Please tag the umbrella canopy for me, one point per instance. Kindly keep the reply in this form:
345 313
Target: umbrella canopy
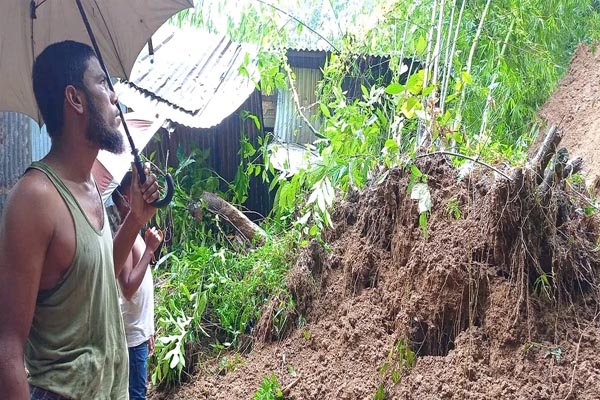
121 29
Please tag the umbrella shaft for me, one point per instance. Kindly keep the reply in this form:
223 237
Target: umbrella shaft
134 151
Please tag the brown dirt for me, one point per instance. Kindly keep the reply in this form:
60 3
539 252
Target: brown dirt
465 300
575 108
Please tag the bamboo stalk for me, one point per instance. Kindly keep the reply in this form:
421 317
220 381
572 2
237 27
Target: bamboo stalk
429 42
411 9
446 72
488 101
463 94
434 96
437 48
451 57
422 132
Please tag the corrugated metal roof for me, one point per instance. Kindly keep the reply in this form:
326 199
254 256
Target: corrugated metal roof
193 78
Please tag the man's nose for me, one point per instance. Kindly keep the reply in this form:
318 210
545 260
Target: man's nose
113 97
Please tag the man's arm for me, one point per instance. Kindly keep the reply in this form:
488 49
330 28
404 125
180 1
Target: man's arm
25 234
141 210
133 272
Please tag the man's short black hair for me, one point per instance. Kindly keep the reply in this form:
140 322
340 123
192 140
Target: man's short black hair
59 65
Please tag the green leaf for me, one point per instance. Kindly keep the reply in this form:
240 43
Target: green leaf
394 88
167 339
380 393
325 110
415 82
423 224
415 172
466 78
395 376
364 91
391 145
421 45
410 107
428 90
255 119
202 304
384 368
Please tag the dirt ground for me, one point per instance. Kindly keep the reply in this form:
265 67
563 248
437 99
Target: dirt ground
575 108
500 301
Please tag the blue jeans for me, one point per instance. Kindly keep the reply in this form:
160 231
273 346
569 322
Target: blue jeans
138 371
37 393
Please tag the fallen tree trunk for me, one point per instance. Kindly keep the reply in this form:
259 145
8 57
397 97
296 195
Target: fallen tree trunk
248 229
573 166
555 172
545 152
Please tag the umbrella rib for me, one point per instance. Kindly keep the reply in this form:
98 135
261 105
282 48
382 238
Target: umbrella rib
111 40
38 5
39 117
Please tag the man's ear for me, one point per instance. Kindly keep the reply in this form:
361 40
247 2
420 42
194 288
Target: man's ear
74 99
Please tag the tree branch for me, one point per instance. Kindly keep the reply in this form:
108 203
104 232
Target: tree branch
300 22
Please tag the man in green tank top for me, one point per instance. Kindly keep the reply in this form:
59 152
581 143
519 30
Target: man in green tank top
58 294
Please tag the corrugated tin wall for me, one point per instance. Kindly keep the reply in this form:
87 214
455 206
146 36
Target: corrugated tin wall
223 143
289 126
40 141
15 150
21 141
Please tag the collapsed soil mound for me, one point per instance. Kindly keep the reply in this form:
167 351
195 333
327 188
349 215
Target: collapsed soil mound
575 108
500 300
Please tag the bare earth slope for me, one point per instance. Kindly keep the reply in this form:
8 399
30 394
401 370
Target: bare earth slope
575 108
499 302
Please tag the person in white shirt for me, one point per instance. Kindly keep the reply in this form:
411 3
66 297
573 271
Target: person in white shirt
137 297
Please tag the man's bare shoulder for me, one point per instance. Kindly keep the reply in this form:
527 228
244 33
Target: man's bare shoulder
33 197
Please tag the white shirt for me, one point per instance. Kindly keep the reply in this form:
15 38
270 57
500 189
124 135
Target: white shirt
138 313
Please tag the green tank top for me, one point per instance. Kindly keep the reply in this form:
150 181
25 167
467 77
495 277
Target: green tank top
76 345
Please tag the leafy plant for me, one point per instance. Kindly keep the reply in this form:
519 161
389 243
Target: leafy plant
269 389
400 359
380 394
230 363
555 352
419 191
209 289
542 286
453 208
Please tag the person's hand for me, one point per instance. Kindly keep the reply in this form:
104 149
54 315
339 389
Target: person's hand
143 195
153 238
151 346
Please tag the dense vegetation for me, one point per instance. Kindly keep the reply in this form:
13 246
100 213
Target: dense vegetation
486 67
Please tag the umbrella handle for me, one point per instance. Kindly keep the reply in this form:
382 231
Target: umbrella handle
158 203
